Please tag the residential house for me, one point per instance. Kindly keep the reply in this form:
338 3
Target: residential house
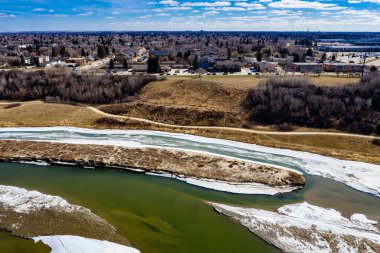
206 62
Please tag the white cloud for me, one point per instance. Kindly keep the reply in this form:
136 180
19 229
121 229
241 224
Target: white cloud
162 14
110 17
210 13
115 13
177 8
169 2
38 9
145 16
265 1
362 1
299 4
250 6
207 4
5 15
89 13
231 8
55 15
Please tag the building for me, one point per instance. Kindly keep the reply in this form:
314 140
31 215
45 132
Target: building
306 67
78 61
121 57
342 67
206 62
139 67
349 48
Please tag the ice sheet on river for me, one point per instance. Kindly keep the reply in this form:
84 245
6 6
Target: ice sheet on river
306 228
70 244
358 175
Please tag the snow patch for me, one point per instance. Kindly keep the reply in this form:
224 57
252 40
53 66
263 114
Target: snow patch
70 243
240 188
306 228
23 201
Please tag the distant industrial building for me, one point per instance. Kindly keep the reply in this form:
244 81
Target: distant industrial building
349 48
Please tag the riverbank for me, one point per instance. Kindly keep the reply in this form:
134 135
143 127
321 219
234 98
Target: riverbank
306 228
39 114
358 175
214 172
30 214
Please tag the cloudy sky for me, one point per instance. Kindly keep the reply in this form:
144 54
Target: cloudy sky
169 15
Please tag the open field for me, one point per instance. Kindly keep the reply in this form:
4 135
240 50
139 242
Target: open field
35 114
43 114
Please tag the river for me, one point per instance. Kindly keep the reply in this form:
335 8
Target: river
161 214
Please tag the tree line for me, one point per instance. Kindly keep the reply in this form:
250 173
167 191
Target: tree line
56 86
353 108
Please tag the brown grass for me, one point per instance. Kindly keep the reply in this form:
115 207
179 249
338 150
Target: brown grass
44 114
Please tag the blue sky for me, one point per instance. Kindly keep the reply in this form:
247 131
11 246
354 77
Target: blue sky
227 15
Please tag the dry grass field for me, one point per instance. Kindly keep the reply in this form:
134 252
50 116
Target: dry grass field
44 114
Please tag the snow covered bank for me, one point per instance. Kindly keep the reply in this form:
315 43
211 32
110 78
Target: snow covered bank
30 214
23 201
69 244
306 228
240 188
358 175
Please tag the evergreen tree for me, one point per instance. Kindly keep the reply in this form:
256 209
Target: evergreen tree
296 58
229 53
259 56
22 59
101 52
153 65
125 64
195 63
54 52
62 51
323 58
112 64
83 53
309 52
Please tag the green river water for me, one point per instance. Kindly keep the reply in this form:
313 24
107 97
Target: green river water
164 215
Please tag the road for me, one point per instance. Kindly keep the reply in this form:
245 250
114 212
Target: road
317 133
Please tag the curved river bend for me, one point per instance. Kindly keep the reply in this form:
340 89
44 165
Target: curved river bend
160 214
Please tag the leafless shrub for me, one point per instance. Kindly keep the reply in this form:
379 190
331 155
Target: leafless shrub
354 108
57 86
